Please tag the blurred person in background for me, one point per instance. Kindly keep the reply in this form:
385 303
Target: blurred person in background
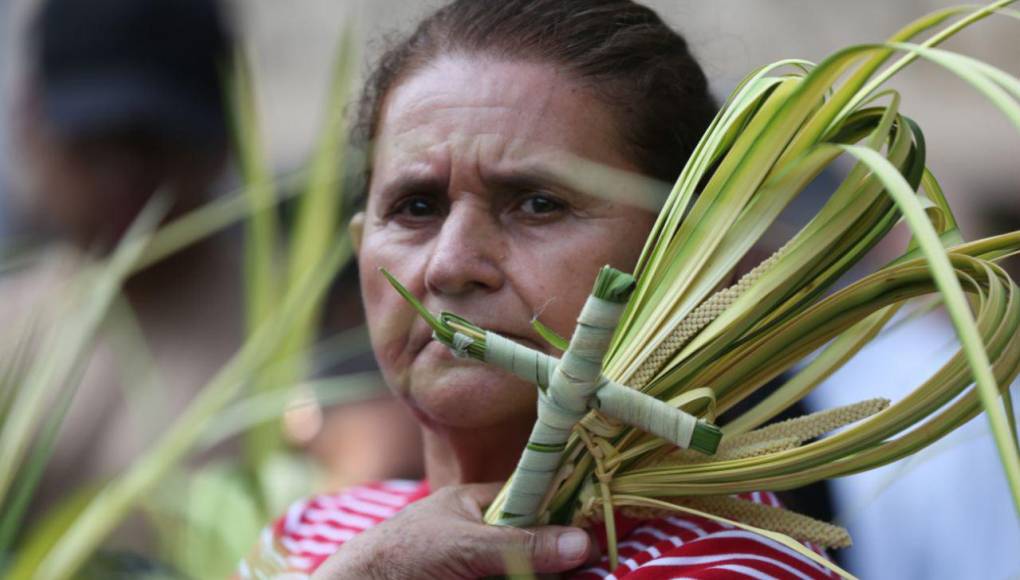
5 18
120 100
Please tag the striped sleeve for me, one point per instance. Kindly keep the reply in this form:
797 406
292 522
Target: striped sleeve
314 529
693 547
672 547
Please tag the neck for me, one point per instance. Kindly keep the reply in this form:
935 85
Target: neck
455 456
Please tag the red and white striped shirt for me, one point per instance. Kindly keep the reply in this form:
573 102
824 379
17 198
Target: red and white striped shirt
670 547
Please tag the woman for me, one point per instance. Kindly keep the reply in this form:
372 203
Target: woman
478 120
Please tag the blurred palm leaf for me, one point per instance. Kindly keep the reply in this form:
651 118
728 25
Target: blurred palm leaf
285 294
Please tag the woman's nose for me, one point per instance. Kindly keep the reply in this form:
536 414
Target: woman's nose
467 253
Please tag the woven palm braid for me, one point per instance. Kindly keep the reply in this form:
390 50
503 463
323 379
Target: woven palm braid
696 321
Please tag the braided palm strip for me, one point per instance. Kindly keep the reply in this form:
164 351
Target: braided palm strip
782 520
696 321
810 426
780 436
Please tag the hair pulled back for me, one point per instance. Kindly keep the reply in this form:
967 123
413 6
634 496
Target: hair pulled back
622 51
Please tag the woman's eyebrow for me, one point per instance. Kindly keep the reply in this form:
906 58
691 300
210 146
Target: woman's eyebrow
515 182
525 176
413 182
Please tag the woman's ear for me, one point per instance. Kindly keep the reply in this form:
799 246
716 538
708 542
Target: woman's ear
357 229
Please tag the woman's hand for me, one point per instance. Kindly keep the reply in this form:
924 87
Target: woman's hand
442 536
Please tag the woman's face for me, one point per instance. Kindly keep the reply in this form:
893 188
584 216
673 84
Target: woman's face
469 208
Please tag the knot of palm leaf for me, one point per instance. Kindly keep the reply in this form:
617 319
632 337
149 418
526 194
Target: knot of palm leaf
598 504
603 453
460 344
602 425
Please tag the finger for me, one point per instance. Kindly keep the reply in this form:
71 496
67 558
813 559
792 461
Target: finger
547 549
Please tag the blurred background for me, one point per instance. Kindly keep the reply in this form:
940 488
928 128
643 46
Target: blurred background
902 517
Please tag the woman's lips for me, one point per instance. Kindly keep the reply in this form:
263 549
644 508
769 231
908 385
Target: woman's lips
428 340
438 350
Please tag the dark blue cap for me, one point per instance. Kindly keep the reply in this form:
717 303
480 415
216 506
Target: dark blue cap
151 65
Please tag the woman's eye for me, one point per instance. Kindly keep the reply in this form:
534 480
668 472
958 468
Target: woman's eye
417 207
541 204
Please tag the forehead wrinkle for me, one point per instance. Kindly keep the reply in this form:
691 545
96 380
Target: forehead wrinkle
411 144
511 172
448 125
400 167
526 107
484 127
494 161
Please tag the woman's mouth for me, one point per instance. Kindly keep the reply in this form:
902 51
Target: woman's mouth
445 352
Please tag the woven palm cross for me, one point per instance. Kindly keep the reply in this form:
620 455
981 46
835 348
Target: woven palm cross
568 388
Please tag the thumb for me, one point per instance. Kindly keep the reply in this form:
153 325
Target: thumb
545 549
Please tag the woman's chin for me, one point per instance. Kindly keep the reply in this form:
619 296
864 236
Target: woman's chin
445 391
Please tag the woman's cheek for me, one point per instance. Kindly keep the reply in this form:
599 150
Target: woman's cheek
387 317
564 284
569 264
392 364
389 322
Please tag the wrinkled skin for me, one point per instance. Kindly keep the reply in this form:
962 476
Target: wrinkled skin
442 537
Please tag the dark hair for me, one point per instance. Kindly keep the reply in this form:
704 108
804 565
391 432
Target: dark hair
151 70
633 61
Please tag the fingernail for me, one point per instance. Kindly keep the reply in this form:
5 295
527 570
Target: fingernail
572 545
